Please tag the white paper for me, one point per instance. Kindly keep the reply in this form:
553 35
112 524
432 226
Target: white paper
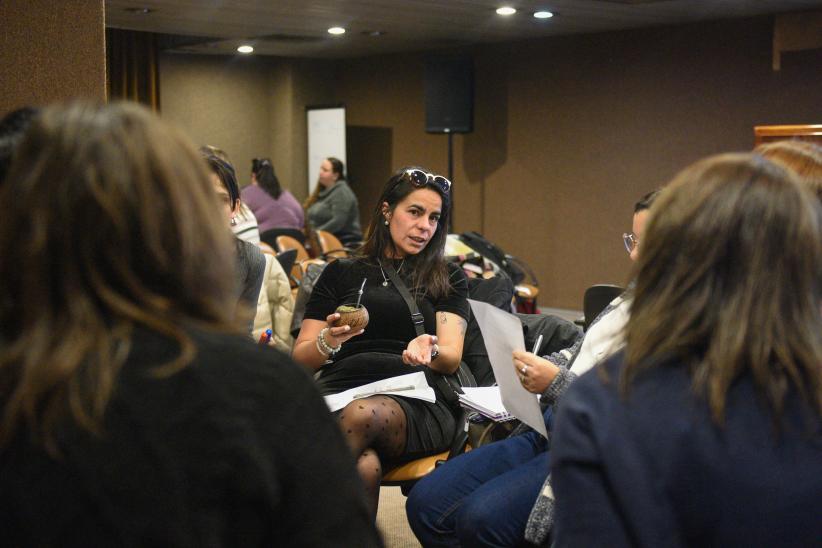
487 400
413 385
503 334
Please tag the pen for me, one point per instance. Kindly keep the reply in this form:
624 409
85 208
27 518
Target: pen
265 336
372 393
536 345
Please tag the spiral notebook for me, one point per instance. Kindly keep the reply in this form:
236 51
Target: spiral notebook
487 401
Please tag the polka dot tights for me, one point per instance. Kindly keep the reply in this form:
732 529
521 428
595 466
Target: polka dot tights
375 429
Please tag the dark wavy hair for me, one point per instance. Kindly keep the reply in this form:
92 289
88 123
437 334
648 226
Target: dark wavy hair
264 173
428 268
729 283
225 172
110 224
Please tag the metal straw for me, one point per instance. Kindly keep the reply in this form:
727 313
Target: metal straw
359 293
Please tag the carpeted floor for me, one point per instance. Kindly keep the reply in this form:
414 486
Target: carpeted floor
391 520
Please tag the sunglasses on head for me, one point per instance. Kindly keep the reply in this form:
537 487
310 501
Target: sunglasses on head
419 179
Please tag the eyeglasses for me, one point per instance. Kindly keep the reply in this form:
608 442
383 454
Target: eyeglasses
419 179
631 241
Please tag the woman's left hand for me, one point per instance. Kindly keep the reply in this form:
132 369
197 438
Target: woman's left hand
535 373
419 350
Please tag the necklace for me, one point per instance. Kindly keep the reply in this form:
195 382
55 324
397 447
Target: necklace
384 277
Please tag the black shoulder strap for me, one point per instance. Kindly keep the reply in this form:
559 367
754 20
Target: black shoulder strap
416 315
448 391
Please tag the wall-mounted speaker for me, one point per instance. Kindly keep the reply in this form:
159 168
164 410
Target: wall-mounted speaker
449 94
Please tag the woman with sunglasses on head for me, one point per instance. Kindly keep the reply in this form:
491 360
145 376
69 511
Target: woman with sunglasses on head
407 236
272 205
332 206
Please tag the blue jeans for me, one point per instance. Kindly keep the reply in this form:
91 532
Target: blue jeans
481 498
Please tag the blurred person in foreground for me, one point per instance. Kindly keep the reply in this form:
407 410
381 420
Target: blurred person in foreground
134 412
707 429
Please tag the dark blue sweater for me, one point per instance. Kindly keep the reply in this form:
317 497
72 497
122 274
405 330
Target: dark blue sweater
654 470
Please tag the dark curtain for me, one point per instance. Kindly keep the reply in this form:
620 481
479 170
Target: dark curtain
132 70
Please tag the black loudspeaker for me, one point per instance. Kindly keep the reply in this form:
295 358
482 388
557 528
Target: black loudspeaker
449 95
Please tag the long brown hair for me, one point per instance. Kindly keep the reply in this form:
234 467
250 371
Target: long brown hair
428 269
109 223
801 157
729 283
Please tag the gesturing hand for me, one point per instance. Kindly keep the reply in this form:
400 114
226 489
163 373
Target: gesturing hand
535 373
419 350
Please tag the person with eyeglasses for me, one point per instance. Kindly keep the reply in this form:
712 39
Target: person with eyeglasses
333 206
406 238
498 494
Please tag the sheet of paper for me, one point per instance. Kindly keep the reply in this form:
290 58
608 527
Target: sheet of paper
503 334
412 385
485 399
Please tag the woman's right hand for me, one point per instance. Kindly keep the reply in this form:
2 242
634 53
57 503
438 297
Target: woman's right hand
536 374
335 336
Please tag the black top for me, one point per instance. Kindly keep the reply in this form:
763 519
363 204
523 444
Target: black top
390 328
237 449
654 470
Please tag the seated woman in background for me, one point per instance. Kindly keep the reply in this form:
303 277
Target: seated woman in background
407 234
273 206
250 263
485 497
333 206
707 430
133 412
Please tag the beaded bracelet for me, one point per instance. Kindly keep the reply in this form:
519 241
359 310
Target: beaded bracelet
323 346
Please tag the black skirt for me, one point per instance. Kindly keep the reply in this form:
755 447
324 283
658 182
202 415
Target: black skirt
430 425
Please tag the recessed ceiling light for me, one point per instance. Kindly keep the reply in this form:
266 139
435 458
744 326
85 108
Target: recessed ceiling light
506 10
543 14
336 31
245 48
374 33
140 11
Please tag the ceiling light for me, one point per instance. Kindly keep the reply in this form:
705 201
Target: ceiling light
336 31
245 48
543 14
140 11
373 33
506 10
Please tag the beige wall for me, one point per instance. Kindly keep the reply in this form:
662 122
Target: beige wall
250 107
569 131
51 51
224 104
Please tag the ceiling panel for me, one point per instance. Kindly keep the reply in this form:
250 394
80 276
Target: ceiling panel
406 25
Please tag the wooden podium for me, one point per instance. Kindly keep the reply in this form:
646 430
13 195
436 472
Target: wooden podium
806 132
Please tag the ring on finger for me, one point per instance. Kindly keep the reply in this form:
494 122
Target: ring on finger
524 369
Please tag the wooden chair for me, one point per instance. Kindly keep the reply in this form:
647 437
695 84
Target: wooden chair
407 474
270 236
285 243
330 246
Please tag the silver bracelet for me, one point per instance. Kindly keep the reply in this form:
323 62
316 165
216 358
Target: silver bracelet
323 346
